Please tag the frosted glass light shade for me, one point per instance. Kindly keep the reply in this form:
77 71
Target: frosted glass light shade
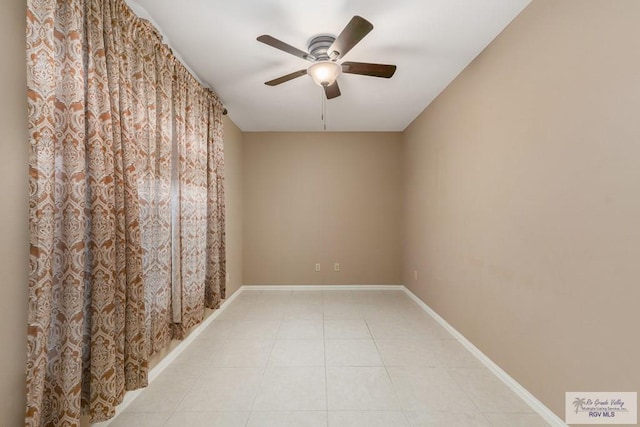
324 73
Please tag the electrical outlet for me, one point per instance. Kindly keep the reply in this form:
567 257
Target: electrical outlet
318 267
336 266
415 274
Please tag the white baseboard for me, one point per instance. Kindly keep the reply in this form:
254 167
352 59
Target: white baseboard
530 399
322 288
548 415
130 396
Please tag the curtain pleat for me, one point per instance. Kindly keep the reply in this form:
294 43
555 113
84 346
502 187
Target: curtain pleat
119 263
215 281
156 201
57 213
192 173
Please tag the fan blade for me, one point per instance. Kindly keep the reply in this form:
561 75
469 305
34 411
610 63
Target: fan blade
355 31
366 69
286 78
332 91
273 42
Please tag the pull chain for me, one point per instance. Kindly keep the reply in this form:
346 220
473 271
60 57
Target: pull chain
324 109
322 104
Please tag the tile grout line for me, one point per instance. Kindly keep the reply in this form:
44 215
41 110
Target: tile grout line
326 373
386 369
184 394
264 372
464 392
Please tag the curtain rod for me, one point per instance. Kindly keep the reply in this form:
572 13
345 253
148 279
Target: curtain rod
141 12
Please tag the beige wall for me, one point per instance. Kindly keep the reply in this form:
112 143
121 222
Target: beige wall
13 213
522 203
322 198
233 198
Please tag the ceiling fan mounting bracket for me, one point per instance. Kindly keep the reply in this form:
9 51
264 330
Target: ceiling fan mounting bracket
319 45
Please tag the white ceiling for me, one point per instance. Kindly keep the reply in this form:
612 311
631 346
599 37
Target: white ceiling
430 41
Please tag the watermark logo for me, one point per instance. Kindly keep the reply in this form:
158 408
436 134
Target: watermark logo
601 407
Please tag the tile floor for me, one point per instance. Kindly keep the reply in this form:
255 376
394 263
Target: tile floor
326 358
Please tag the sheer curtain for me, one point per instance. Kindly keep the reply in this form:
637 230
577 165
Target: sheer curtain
120 264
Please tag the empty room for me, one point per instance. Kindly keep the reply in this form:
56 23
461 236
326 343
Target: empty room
320 214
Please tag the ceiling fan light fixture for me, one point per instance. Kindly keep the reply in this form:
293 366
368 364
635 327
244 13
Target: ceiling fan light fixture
324 73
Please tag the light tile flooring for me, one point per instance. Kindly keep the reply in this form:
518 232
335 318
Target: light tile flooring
326 358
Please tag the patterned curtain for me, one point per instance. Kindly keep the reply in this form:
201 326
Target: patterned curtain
126 205
216 277
154 69
191 168
198 204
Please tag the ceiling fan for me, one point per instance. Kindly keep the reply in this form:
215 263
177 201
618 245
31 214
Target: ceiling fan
324 52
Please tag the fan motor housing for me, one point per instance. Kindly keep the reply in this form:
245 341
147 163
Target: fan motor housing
319 45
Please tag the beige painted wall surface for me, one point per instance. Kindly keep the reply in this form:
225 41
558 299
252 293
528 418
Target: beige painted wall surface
322 198
14 228
523 199
233 199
